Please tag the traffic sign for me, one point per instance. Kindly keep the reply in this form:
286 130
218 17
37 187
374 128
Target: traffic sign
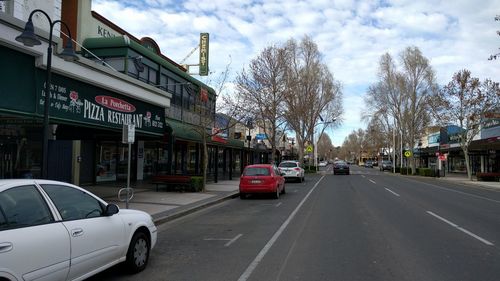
309 148
408 153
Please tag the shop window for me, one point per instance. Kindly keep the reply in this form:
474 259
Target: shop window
152 76
150 160
163 82
117 63
192 158
144 75
106 162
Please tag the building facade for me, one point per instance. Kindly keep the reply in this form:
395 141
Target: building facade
118 80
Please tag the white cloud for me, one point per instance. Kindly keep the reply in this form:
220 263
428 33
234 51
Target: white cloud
351 34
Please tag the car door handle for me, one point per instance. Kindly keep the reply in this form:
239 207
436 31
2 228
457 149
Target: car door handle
5 247
77 232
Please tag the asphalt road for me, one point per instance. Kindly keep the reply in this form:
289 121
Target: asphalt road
368 225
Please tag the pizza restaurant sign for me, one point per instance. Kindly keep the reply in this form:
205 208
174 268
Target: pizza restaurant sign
88 104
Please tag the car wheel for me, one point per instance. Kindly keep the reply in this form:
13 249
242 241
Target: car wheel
138 253
243 195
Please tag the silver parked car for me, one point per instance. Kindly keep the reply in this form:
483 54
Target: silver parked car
51 230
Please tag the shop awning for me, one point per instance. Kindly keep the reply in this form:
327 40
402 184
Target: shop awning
184 131
190 132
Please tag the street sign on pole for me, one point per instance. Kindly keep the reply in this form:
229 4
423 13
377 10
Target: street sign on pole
128 136
128 133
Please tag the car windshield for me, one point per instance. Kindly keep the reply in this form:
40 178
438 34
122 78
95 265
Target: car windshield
288 165
256 171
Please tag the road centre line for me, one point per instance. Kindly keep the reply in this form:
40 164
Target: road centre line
391 191
253 265
372 181
461 229
456 191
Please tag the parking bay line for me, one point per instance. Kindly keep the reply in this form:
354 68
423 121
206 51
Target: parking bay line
230 241
253 265
461 229
372 181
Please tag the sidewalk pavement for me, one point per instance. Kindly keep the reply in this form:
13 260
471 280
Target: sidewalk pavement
462 179
164 206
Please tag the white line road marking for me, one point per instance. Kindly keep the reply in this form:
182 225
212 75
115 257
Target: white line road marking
275 237
373 181
461 229
391 191
279 204
363 176
233 240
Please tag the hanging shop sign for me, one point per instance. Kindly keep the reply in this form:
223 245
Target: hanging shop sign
83 103
204 39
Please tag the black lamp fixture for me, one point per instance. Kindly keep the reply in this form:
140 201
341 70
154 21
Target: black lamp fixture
29 38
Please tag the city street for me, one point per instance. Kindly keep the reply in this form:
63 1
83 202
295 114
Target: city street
369 225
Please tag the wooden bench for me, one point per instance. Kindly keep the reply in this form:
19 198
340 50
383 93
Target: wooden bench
171 180
488 176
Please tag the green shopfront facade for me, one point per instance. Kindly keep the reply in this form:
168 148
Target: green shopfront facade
86 123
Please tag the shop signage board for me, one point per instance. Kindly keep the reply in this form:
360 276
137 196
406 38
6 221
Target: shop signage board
204 41
79 102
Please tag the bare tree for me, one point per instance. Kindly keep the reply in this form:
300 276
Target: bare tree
354 145
311 91
325 147
494 57
205 109
261 92
406 98
468 103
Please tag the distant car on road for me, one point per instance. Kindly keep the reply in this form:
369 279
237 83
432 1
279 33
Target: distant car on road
51 230
292 170
323 163
368 164
386 165
262 178
340 167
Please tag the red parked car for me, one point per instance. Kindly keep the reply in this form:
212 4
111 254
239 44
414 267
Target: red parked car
262 178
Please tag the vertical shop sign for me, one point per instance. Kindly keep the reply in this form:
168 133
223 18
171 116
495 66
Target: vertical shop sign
204 54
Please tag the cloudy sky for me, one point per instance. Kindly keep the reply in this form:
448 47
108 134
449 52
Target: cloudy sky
351 35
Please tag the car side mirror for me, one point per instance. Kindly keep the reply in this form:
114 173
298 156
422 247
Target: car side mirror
111 209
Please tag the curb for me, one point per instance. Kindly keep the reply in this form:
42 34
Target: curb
161 219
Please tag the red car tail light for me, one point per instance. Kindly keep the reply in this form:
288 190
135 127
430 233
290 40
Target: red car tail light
296 169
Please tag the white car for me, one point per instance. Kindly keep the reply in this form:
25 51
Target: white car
292 170
51 230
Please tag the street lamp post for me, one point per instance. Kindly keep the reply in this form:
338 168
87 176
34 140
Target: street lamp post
28 38
325 124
